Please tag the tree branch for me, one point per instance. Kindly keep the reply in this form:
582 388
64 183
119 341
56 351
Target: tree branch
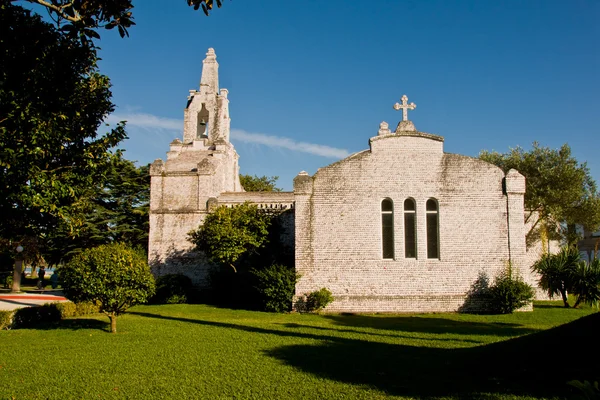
59 10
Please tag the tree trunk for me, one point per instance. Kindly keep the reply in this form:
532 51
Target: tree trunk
16 285
577 302
565 299
113 322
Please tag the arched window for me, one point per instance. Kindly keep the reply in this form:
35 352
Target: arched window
202 122
387 228
410 232
433 235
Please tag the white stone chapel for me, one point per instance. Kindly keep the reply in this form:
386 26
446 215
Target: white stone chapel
399 227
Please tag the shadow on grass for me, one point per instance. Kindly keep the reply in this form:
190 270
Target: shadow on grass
430 325
531 365
394 335
70 324
548 306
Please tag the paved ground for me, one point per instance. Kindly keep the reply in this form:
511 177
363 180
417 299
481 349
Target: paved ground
12 301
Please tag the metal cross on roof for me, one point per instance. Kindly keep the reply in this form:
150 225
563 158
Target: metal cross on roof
405 107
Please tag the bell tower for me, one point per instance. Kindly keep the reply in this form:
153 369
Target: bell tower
206 115
198 168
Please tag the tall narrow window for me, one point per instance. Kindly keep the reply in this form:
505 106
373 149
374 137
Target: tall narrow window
387 228
410 232
433 236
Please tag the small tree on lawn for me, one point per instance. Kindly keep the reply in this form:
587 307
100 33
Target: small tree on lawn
585 283
230 233
115 276
556 272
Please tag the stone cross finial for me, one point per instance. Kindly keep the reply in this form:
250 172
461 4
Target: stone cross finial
405 107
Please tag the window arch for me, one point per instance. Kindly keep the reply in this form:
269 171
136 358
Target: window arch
387 228
410 228
202 122
433 232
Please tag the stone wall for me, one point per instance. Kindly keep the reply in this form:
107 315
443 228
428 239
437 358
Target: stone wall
339 226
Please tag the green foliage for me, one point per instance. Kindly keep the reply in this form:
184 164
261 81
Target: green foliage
6 319
275 286
31 316
314 301
173 289
585 283
253 183
81 19
560 191
319 299
230 233
556 272
589 390
114 276
49 118
52 312
116 211
8 281
509 293
70 309
207 5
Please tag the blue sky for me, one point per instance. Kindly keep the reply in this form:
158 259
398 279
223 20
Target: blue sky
310 81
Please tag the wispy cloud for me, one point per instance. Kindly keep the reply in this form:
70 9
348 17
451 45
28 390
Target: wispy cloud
287 143
150 122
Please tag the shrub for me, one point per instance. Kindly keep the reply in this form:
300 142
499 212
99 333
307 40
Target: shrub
275 286
6 319
8 281
314 301
585 283
556 271
318 299
508 293
70 309
114 276
173 289
31 316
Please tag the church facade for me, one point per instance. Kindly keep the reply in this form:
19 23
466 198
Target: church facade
399 227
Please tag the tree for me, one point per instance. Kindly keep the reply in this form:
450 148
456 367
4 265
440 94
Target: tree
115 276
230 233
560 191
585 283
81 17
259 184
556 272
50 149
116 211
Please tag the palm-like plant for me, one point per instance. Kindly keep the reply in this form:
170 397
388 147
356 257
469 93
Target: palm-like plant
585 283
556 272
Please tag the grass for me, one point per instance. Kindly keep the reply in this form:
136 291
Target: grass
202 352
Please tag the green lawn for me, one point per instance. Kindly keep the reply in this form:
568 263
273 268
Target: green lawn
198 351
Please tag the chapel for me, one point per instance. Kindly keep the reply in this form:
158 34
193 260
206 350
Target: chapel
399 227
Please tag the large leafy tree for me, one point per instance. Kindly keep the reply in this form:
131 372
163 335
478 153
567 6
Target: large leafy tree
52 104
116 211
254 183
82 18
560 191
